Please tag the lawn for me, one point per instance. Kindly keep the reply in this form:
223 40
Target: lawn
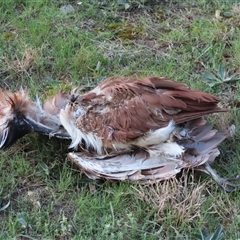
47 45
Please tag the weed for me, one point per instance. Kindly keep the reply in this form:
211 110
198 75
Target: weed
217 235
221 77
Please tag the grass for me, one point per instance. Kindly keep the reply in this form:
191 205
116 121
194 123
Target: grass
43 196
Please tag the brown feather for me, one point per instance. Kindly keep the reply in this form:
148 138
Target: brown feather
17 103
54 104
122 109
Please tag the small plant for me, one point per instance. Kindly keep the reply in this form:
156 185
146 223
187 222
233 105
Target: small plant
44 168
219 78
5 206
217 235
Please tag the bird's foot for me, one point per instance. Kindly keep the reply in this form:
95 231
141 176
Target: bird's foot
228 184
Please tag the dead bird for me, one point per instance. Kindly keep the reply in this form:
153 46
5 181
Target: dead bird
140 129
143 129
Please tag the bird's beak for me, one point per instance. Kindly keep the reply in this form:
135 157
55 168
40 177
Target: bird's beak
40 128
37 127
19 126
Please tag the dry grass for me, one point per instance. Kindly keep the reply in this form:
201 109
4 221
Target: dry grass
236 8
224 122
184 197
24 63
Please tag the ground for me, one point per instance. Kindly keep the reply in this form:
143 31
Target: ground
46 45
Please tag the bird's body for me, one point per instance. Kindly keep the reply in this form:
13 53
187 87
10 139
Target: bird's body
144 129
122 113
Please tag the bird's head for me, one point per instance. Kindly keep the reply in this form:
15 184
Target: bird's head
18 117
13 121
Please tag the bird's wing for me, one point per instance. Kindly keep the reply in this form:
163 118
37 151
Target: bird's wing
120 109
200 147
133 167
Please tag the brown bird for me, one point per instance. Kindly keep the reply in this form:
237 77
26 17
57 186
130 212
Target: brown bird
141 129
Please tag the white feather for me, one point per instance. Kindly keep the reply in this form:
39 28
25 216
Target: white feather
68 121
4 137
39 105
95 142
155 137
169 149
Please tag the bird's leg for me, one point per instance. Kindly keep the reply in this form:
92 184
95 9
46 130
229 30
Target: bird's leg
175 134
228 184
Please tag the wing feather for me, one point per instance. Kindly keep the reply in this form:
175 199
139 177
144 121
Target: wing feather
125 108
139 165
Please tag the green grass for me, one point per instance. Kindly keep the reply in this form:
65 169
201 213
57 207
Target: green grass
44 50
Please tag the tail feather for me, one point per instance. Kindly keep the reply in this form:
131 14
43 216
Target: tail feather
204 147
